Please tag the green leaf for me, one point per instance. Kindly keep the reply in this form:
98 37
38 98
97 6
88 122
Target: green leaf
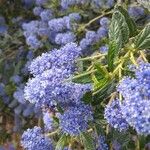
61 142
87 97
119 30
142 40
88 141
112 52
84 77
102 93
131 24
122 137
101 70
118 36
94 79
101 84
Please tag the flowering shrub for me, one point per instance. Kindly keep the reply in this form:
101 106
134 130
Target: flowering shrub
75 74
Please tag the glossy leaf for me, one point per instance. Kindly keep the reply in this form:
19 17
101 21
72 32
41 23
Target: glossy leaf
142 40
88 141
130 22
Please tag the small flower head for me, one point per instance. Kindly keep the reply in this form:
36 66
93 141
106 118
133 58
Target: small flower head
114 116
33 139
75 119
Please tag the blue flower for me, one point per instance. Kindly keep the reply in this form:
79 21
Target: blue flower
33 139
102 32
19 95
136 93
48 121
41 2
64 38
33 42
84 43
28 110
102 143
37 11
57 25
75 119
136 12
62 59
16 79
75 16
114 116
67 3
104 49
91 36
46 15
104 21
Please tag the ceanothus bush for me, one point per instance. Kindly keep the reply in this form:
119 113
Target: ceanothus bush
75 74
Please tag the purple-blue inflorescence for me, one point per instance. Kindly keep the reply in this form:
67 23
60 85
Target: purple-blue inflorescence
46 15
58 59
33 139
64 38
136 12
114 116
104 22
67 3
102 143
116 145
75 119
41 2
37 11
48 121
63 24
102 32
104 49
136 104
50 70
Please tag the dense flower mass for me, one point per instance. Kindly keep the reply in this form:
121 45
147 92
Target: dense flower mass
136 105
34 139
50 70
114 116
64 58
75 119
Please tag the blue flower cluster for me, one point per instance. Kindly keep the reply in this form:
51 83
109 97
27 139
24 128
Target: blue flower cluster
48 121
34 139
103 49
136 104
116 145
102 4
64 38
49 29
66 4
102 143
48 88
75 119
114 116
94 3
136 12
93 37
3 26
41 2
